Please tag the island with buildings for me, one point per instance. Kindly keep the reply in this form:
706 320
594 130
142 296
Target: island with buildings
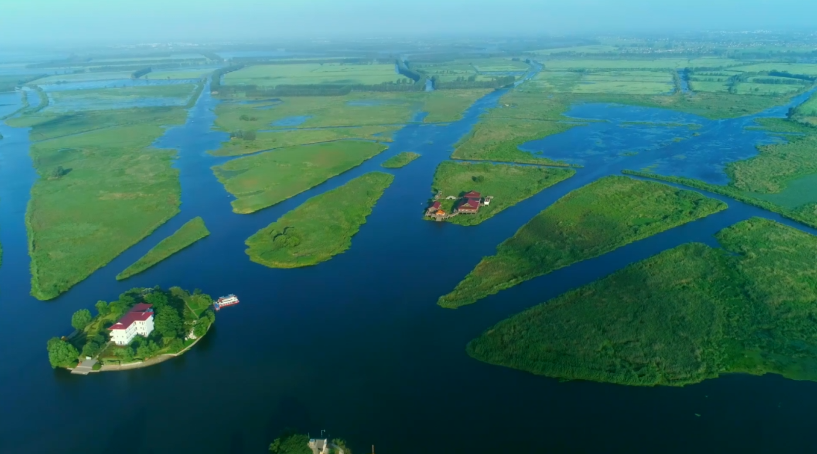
142 328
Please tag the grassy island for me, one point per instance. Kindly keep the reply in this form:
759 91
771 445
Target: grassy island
588 222
506 184
320 228
400 160
102 189
680 317
291 442
180 318
188 234
268 178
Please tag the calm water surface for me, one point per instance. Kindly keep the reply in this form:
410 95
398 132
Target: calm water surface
357 345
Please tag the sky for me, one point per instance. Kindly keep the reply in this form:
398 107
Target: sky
58 22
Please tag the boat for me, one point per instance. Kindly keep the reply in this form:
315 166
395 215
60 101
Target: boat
225 301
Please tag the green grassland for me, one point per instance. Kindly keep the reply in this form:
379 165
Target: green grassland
507 184
588 222
612 82
314 73
590 49
320 228
680 317
793 68
807 112
188 234
400 160
355 116
99 192
638 64
498 139
265 179
85 77
179 74
498 65
122 94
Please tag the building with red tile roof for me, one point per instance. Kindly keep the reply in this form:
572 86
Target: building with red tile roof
138 321
468 206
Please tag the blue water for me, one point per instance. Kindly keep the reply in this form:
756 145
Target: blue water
357 344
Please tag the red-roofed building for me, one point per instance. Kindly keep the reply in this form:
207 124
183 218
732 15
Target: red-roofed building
138 321
433 208
469 206
473 195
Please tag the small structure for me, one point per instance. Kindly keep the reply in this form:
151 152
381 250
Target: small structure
319 445
487 200
139 320
472 195
468 206
435 207
451 197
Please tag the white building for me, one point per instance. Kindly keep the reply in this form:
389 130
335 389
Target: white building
139 320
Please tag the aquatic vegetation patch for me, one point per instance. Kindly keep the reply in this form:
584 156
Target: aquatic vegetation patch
315 73
188 234
506 184
321 227
400 160
677 318
586 223
113 191
268 178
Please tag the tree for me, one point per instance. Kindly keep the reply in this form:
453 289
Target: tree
81 319
157 299
102 308
168 323
61 353
58 172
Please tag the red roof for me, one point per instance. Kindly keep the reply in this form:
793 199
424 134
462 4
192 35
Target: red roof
140 312
435 205
472 204
472 195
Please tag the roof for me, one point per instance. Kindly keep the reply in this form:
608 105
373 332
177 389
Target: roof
435 205
138 313
470 203
472 195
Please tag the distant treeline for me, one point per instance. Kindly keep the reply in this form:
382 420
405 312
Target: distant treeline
792 76
275 61
140 72
126 65
790 81
497 82
215 83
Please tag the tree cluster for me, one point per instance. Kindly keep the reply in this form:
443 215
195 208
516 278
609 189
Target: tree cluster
241 134
140 72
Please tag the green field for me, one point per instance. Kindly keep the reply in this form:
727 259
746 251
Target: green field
85 77
355 116
507 184
498 139
88 99
680 317
613 82
588 222
591 49
265 179
793 68
315 73
180 74
99 193
638 64
320 228
188 234
400 160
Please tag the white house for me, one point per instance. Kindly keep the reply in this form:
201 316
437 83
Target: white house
139 320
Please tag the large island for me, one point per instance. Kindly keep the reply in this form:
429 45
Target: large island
145 326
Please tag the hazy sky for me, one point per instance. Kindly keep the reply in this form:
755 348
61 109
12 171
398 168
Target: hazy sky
67 21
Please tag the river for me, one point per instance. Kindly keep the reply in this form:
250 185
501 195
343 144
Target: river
357 345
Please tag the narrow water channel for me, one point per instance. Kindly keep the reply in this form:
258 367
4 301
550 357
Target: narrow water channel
357 345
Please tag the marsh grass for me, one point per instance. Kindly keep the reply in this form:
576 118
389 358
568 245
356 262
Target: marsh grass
588 222
188 234
680 317
400 160
265 179
321 227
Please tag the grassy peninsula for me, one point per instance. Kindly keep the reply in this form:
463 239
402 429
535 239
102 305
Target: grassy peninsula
507 184
320 228
588 222
680 317
180 318
188 234
268 178
400 160
102 188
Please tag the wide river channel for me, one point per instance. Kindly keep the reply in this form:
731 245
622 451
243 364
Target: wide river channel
357 346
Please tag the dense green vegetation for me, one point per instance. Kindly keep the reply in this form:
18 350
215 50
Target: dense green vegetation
586 223
178 314
400 160
330 118
498 139
680 317
265 179
291 443
114 190
188 234
320 228
507 184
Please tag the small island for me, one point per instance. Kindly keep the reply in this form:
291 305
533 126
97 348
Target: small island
145 326
291 442
400 160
